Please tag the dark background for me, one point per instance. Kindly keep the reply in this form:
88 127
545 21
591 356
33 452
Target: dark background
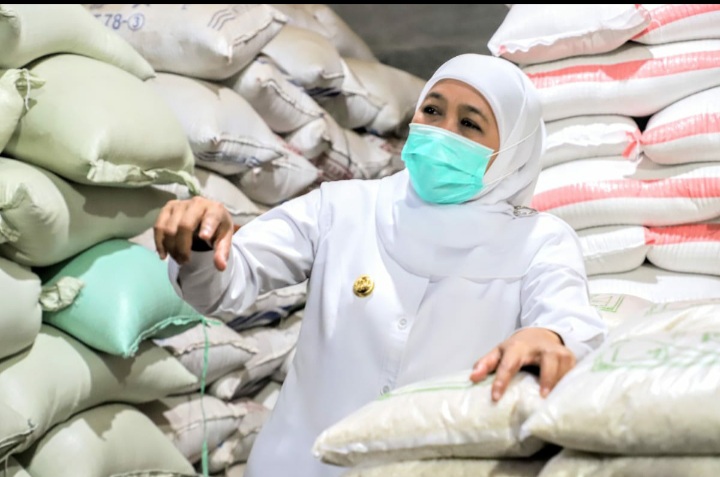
419 38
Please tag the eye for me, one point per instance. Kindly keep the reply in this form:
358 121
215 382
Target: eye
431 110
470 124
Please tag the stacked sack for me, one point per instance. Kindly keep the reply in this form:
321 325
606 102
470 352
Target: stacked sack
86 145
618 412
644 403
274 100
630 99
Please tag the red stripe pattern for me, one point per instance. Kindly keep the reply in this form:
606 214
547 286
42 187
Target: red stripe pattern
673 12
689 188
682 128
629 70
682 234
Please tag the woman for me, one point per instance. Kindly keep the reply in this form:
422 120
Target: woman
412 276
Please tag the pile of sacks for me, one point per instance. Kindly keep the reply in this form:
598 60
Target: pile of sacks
85 143
108 114
631 99
619 412
274 98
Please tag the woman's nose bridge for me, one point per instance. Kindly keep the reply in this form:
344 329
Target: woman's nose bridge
449 122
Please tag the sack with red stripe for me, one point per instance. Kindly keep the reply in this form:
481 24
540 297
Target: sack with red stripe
686 131
590 136
613 249
671 22
693 248
614 191
634 80
657 285
546 32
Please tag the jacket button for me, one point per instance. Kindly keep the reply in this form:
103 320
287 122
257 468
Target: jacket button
363 286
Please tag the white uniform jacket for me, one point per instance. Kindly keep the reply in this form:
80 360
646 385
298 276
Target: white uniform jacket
352 349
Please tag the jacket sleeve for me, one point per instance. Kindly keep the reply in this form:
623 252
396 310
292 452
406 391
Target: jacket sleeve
273 251
555 295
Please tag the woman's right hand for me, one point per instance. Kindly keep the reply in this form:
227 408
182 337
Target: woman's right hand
179 222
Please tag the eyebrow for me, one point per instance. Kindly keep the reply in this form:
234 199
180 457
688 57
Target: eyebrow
469 107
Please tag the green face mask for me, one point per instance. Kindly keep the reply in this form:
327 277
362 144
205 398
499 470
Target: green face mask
444 168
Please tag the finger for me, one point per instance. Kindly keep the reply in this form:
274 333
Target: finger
549 367
222 245
510 364
159 229
171 229
485 365
210 223
567 363
190 221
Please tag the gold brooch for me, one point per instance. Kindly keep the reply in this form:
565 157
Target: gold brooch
363 286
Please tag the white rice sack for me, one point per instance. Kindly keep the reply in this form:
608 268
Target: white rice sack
58 377
14 431
317 137
270 307
690 316
324 20
31 31
308 58
283 105
583 137
547 32
353 107
225 132
16 86
234 471
276 181
13 469
354 158
186 420
692 248
340 153
686 131
393 90
614 191
438 418
670 22
657 285
633 80
45 219
570 463
269 395
97 124
281 373
453 468
111 440
285 299
20 311
236 449
652 394
392 146
273 344
618 308
211 42
613 249
227 349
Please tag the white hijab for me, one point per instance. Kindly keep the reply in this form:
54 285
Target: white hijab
482 238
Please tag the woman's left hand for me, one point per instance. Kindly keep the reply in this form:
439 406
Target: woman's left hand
529 346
